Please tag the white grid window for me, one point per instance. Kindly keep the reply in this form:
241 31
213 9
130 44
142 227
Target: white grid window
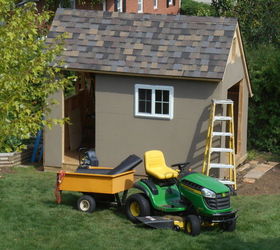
140 6
170 2
155 4
154 101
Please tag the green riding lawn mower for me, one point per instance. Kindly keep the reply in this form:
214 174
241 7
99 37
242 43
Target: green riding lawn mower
179 199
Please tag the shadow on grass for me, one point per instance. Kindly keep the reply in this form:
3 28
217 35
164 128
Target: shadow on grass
68 199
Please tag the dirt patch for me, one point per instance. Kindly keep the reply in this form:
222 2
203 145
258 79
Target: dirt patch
269 183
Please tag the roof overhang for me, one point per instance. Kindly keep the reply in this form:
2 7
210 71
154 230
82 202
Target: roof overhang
213 80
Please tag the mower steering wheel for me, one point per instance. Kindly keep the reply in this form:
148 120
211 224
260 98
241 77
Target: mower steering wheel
181 166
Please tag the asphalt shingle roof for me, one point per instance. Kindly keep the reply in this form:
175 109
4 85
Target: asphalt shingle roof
162 45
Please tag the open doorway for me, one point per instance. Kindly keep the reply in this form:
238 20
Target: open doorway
79 107
234 95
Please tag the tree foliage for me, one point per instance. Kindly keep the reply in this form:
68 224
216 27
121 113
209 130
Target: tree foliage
264 109
26 78
193 8
223 7
259 21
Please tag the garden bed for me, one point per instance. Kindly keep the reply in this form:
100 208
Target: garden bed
15 158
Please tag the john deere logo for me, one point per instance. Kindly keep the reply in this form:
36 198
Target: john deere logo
224 194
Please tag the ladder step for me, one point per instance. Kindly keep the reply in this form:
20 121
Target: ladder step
222 101
222 134
222 118
220 165
226 182
228 150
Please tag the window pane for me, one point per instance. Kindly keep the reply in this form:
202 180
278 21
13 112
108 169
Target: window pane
155 3
145 94
142 106
149 107
165 108
145 107
142 94
140 5
158 95
158 108
145 100
165 95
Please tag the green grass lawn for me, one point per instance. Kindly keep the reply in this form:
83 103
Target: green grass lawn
30 219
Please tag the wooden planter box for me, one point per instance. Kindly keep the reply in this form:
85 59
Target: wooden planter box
15 158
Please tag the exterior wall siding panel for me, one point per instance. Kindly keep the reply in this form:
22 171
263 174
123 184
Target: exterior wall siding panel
119 133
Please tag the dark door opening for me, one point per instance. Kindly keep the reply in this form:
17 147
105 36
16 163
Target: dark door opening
234 95
79 107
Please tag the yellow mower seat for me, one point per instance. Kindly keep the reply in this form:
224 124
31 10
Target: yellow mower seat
155 166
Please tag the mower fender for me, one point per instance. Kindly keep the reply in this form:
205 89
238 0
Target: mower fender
139 187
146 190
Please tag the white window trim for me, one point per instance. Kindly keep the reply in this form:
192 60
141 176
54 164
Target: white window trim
140 11
104 5
156 5
170 2
154 88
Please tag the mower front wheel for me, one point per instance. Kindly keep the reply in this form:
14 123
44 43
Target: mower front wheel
137 205
192 225
86 204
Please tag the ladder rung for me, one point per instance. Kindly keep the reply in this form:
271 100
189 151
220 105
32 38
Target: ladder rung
222 101
226 182
228 150
222 118
220 165
222 134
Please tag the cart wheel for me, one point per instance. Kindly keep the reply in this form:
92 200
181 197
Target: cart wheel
137 205
229 226
192 225
86 203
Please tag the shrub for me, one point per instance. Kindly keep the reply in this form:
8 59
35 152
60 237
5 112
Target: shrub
264 108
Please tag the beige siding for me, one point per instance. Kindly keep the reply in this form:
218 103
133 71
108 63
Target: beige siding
234 73
54 138
119 133
244 123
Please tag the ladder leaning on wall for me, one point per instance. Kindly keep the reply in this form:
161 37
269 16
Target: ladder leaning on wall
227 132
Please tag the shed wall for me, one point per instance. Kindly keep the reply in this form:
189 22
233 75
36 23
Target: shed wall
54 138
119 133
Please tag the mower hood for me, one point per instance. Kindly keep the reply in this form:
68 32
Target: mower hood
204 181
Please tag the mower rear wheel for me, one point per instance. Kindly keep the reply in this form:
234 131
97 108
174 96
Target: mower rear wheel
86 204
137 205
192 225
229 226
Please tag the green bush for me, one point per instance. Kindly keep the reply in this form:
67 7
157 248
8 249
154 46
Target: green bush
264 108
193 8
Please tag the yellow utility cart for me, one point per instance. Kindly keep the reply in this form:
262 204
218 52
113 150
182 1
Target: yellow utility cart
98 183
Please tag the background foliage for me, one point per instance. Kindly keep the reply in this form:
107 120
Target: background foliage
26 78
259 22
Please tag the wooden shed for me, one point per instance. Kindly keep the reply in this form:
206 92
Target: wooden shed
145 82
